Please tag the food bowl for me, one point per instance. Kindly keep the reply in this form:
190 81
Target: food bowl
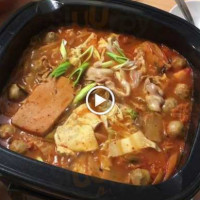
194 7
122 17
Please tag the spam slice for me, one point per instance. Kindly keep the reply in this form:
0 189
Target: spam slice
44 106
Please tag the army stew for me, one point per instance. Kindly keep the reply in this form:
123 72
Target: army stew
43 114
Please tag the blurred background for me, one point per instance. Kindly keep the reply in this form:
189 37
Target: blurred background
7 7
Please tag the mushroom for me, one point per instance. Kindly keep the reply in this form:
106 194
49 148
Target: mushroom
50 37
178 63
15 93
140 177
169 104
18 146
154 102
175 129
182 91
6 131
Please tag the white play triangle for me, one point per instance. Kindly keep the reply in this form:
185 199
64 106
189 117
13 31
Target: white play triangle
99 100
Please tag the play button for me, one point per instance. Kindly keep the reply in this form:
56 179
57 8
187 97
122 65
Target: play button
100 100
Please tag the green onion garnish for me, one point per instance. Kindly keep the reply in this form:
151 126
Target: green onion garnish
119 59
60 70
121 52
89 51
132 113
63 50
76 75
108 64
83 92
96 54
39 159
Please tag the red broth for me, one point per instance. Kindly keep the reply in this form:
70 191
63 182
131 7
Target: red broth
139 142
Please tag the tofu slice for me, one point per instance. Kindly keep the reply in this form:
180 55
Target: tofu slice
77 133
134 142
76 138
44 106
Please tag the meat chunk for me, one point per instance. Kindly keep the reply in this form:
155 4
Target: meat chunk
99 75
152 88
105 75
125 88
43 107
155 59
154 102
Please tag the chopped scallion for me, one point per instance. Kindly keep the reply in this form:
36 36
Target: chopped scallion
119 66
83 92
108 64
132 113
88 52
76 75
116 45
39 159
63 50
60 70
119 59
96 54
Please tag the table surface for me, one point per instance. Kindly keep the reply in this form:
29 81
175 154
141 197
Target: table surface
161 4
7 7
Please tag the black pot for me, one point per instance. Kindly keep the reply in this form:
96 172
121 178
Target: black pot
123 17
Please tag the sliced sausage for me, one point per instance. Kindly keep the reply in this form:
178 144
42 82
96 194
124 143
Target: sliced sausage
44 106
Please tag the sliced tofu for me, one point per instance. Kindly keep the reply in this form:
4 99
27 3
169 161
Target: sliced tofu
77 133
135 142
65 150
77 138
83 116
86 164
44 106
